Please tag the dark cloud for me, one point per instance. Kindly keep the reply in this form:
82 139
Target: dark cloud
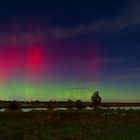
77 88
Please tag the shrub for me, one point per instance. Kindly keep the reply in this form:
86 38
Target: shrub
79 104
13 106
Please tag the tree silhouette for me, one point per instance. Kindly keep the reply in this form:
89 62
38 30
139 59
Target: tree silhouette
79 104
96 99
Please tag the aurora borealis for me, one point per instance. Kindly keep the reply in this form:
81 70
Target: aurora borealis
67 50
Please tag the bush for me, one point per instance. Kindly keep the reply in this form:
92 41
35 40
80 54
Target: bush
13 106
79 104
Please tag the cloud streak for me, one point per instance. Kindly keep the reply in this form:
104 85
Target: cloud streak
128 18
114 77
76 88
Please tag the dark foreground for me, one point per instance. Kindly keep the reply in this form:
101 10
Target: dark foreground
70 125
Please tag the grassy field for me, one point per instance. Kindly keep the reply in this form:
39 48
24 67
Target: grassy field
96 124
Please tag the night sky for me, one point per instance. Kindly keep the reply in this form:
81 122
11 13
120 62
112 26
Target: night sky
60 49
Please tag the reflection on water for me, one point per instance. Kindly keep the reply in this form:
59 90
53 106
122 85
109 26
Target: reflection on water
41 109
33 109
89 108
63 108
26 109
60 108
126 108
123 108
2 110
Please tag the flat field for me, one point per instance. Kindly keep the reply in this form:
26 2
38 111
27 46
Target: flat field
97 124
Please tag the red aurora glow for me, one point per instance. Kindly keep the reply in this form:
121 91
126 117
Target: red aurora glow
12 58
34 59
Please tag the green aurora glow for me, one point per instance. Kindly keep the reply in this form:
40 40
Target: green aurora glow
53 91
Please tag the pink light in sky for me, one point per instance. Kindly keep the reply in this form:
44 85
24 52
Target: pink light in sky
13 58
34 60
93 66
9 60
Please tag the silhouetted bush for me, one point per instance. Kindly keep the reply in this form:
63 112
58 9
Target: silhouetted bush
79 104
69 104
37 102
13 106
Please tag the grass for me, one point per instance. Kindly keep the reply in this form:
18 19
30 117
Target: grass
71 125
